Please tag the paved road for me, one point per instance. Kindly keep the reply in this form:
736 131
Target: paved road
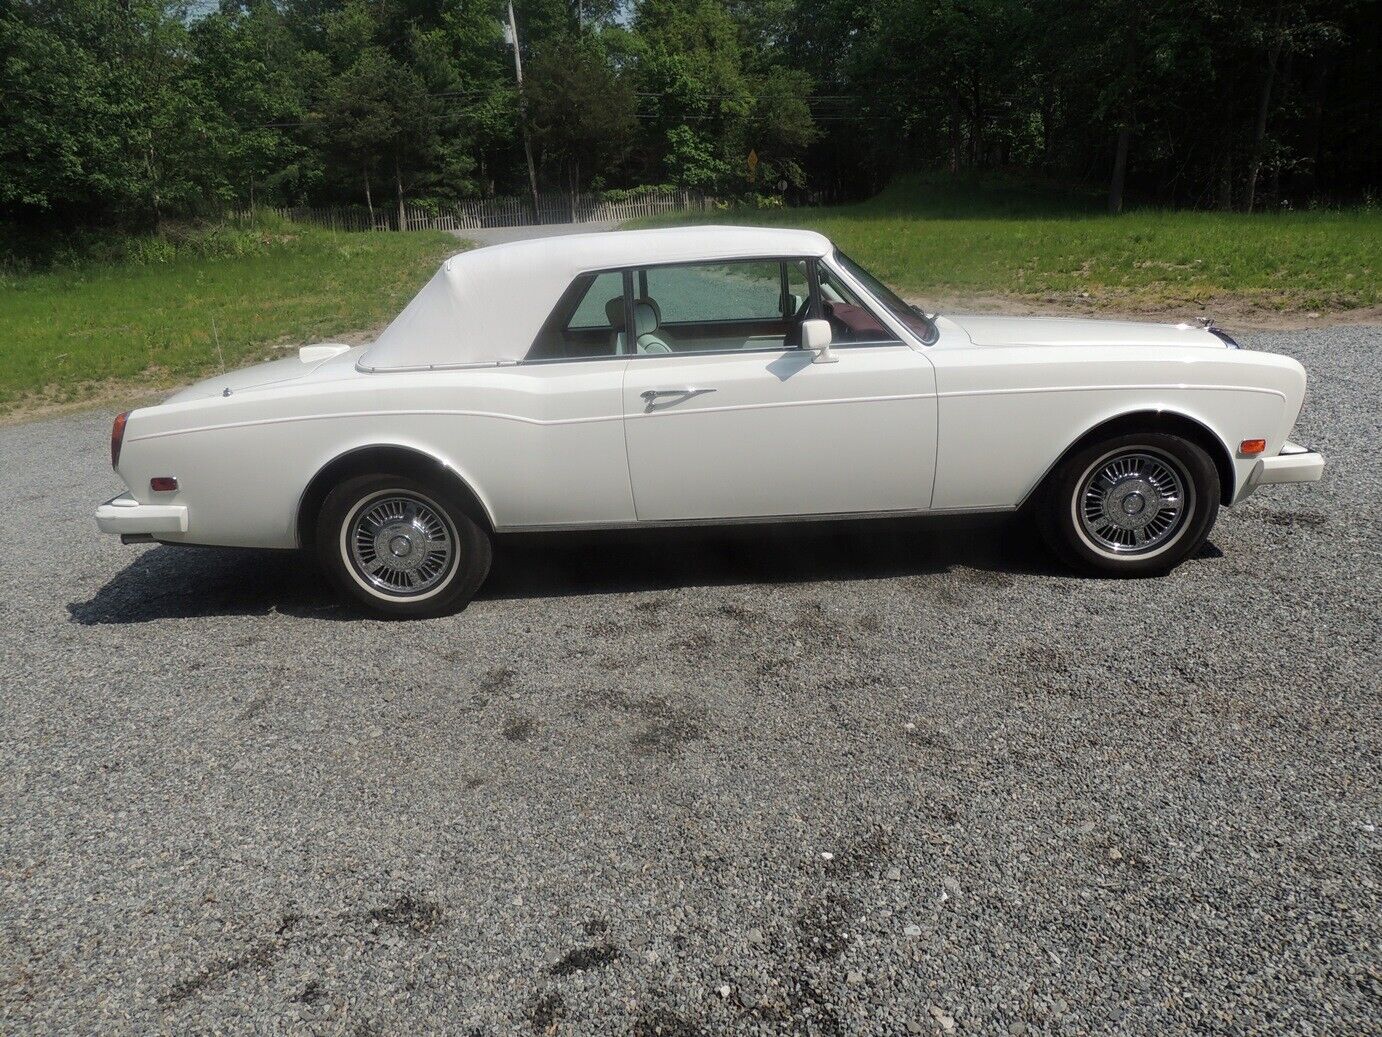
867 780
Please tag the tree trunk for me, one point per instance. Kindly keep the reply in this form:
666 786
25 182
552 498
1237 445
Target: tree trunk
1048 131
575 186
1223 172
1120 155
1223 190
1120 167
1283 101
523 116
1314 122
953 125
976 130
369 200
398 184
1259 129
153 186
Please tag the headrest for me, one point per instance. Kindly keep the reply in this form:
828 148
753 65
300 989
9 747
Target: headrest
614 312
647 317
645 320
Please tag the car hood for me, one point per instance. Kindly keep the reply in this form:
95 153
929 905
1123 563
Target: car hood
1066 331
296 367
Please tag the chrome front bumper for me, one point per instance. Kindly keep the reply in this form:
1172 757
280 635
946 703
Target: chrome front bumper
1295 463
126 516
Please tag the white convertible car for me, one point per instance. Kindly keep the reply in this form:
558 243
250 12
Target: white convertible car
698 375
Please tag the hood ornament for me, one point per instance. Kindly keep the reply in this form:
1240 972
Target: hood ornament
1207 324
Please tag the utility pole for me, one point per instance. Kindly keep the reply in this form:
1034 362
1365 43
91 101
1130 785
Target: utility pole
511 32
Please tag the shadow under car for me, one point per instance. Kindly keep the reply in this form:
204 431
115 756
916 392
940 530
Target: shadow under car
174 582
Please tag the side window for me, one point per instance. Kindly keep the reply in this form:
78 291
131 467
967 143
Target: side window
587 322
720 306
592 311
851 322
716 292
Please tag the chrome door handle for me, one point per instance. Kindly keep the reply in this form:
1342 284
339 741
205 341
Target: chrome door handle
651 396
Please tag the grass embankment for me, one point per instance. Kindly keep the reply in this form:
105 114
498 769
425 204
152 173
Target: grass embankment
995 241
144 321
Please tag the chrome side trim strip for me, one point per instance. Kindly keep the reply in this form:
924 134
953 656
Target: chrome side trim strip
1108 388
755 520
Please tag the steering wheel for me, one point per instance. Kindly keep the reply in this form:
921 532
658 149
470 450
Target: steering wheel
839 330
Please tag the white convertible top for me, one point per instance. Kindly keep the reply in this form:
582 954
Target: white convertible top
486 306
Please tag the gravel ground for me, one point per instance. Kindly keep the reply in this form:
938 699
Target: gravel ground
870 779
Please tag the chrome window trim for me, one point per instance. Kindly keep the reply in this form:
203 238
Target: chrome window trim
628 270
887 319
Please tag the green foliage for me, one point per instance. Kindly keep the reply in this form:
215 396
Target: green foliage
944 238
627 194
692 160
29 252
144 310
128 113
582 112
100 109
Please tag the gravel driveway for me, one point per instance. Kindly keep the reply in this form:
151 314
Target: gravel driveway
868 779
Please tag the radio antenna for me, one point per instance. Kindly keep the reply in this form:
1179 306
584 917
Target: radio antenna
216 335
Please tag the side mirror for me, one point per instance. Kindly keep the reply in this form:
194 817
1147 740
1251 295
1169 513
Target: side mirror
815 338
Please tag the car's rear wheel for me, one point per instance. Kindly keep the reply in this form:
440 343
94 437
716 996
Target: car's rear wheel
401 548
1133 505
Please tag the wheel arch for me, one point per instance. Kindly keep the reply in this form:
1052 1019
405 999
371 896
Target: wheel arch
390 458
1167 421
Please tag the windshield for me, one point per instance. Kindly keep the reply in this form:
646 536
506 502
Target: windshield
916 321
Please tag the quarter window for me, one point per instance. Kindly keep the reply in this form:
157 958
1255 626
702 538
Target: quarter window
593 309
851 322
588 321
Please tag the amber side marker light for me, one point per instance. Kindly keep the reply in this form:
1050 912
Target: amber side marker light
163 484
1249 447
117 437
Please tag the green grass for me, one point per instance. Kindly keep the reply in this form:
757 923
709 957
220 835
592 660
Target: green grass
67 334
937 238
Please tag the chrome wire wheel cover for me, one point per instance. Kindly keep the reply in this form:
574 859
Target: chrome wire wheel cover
400 544
1133 502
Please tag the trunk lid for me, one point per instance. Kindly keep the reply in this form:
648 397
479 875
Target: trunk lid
291 368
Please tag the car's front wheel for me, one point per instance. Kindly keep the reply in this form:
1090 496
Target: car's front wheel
401 548
1132 505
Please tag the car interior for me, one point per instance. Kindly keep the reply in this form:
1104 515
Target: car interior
701 308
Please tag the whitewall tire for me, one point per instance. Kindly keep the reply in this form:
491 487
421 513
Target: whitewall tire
1132 505
401 548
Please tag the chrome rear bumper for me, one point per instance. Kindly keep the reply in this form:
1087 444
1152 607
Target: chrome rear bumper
126 516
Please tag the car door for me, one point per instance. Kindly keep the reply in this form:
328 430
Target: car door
726 417
545 437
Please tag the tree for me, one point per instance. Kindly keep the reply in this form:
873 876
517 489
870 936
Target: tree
129 112
385 116
249 62
111 124
582 112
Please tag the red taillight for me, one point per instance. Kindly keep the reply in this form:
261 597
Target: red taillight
163 484
117 437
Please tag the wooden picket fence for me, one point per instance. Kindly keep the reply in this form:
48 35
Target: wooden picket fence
498 212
